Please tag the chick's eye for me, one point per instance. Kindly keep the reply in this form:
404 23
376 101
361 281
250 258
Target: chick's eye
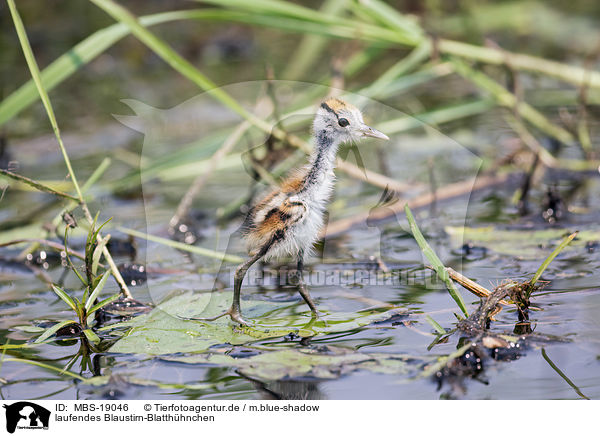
343 122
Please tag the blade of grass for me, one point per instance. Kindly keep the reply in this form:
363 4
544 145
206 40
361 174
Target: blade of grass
568 73
290 14
549 259
91 336
404 65
562 374
306 22
390 17
509 100
176 61
37 185
98 253
46 366
436 116
52 330
438 328
82 53
71 206
70 262
185 247
94 295
435 261
163 50
35 74
65 297
55 245
103 303
311 46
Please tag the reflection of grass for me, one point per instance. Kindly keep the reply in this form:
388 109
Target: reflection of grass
562 375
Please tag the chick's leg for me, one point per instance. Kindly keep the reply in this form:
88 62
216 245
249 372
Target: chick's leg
302 286
235 312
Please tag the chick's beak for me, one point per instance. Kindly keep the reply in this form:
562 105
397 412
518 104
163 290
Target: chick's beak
373 133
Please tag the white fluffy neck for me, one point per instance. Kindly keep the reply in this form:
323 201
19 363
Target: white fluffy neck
322 161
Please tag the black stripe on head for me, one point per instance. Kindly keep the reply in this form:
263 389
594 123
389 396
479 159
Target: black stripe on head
328 109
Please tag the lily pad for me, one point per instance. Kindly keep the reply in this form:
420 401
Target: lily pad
521 243
163 331
302 363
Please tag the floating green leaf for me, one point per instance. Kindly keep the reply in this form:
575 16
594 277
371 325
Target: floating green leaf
163 331
521 243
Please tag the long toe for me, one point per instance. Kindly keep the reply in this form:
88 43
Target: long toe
214 318
237 317
316 314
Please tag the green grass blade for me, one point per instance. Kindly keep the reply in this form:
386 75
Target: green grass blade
91 336
97 231
98 172
311 46
65 297
509 100
550 258
81 54
438 328
403 66
79 309
72 204
185 247
90 236
69 261
35 74
436 116
164 51
103 303
293 17
94 294
435 261
563 375
52 330
392 18
274 7
37 185
98 254
45 366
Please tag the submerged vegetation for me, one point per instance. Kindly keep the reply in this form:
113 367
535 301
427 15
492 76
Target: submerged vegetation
493 148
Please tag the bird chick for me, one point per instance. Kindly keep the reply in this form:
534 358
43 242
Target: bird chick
287 221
